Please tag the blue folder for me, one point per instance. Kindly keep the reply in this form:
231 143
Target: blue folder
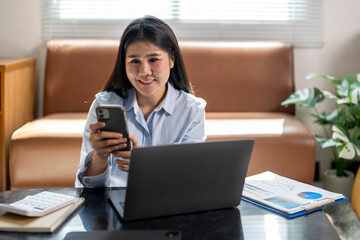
293 215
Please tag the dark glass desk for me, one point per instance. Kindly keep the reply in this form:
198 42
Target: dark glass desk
245 222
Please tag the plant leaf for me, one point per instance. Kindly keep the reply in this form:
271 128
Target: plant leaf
329 94
352 78
343 100
337 128
304 98
344 145
324 143
340 138
355 95
320 119
298 97
355 84
334 116
327 77
357 146
328 118
344 88
346 151
318 97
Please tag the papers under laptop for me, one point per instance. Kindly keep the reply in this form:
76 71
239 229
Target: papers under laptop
183 178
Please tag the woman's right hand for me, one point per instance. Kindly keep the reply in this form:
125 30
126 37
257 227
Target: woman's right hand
103 144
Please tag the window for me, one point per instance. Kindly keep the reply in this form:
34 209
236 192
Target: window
296 21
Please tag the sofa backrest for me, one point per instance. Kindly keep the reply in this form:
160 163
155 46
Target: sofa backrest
75 71
230 76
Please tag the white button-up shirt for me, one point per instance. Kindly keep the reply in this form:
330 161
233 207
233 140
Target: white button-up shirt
180 118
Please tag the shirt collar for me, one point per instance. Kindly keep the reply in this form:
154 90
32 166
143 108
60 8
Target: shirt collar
168 103
129 103
160 106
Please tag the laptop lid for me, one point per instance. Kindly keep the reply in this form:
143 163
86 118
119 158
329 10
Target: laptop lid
184 178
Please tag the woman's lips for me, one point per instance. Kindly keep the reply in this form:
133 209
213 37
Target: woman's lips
146 82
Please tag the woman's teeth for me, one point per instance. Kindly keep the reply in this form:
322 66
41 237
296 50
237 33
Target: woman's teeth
146 82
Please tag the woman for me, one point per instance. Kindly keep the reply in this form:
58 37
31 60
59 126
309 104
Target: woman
149 80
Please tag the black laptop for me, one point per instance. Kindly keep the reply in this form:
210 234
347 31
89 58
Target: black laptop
183 178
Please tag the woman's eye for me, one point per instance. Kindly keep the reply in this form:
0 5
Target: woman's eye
134 61
154 59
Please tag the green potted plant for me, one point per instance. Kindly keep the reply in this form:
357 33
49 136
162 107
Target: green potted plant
343 136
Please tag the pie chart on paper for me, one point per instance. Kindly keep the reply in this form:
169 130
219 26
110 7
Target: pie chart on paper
310 195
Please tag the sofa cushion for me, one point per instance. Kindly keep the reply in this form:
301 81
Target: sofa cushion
46 152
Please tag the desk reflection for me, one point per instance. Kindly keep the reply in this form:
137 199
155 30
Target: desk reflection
258 223
245 222
99 214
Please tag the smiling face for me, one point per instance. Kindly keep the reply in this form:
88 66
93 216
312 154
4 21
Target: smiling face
148 70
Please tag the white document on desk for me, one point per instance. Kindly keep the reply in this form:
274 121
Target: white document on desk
287 195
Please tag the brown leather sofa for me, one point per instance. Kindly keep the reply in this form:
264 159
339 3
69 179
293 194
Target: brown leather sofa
242 82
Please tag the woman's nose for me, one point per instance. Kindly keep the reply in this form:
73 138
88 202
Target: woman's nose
145 69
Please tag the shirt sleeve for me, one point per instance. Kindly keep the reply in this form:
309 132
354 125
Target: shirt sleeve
92 181
86 155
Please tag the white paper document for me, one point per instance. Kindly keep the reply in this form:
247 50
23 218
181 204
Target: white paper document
286 195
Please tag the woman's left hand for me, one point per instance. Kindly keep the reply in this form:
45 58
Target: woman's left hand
123 164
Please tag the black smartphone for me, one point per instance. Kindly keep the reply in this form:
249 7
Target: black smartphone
115 121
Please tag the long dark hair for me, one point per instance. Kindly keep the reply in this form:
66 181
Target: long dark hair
152 29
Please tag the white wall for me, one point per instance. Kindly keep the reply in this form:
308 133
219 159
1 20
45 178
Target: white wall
20 36
339 57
